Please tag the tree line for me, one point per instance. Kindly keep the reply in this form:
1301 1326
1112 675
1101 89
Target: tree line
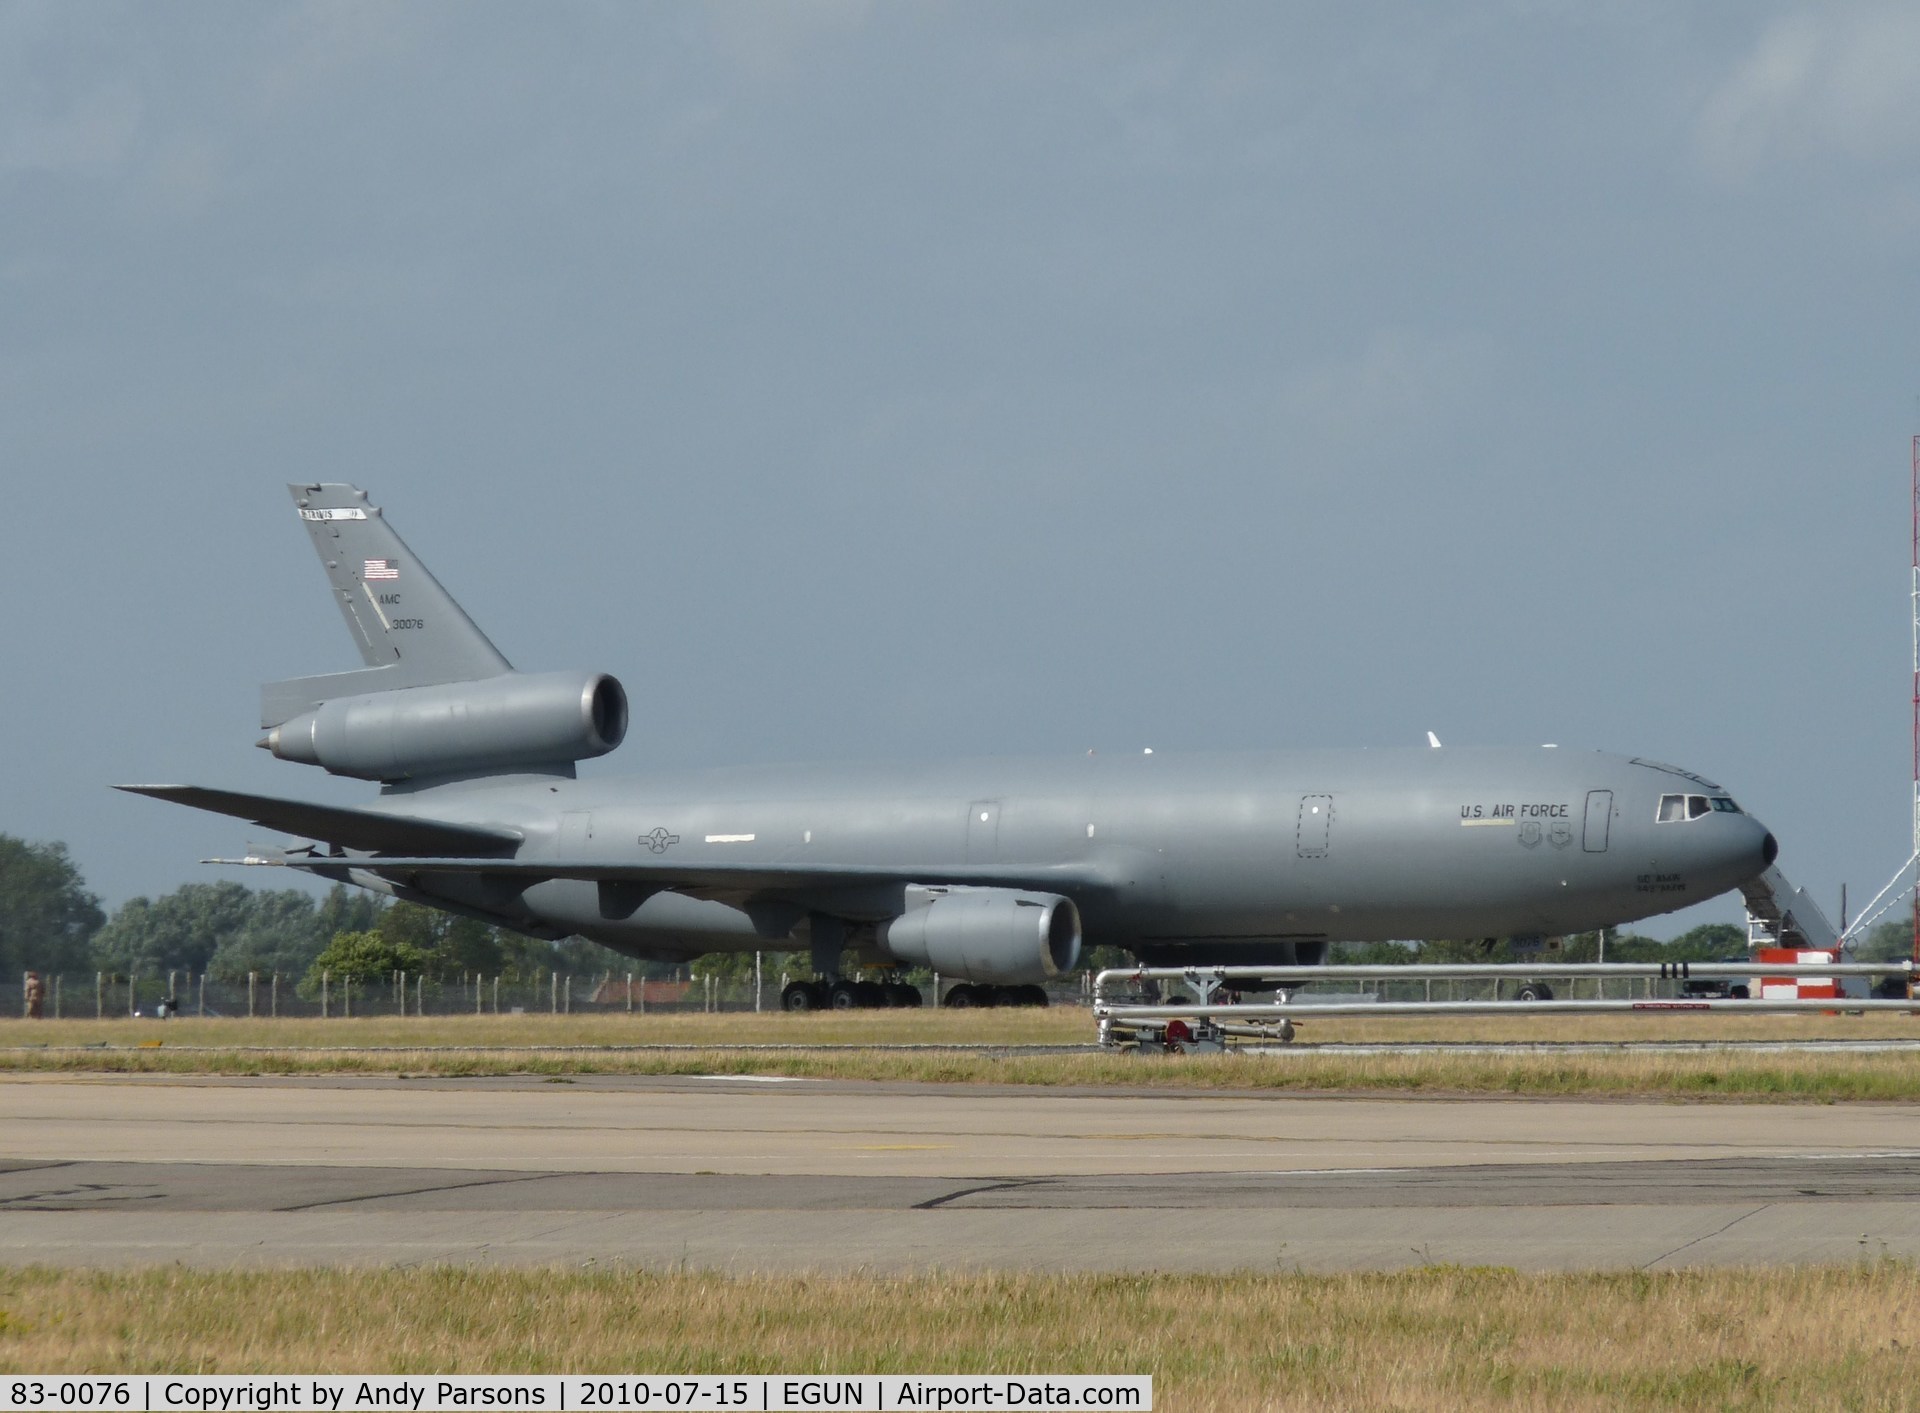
50 922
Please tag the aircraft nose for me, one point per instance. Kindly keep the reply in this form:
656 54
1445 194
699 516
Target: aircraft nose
1739 848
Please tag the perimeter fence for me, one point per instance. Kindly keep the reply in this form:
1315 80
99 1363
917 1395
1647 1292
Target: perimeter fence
105 996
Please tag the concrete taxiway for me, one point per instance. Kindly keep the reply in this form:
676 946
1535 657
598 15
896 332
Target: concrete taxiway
756 1174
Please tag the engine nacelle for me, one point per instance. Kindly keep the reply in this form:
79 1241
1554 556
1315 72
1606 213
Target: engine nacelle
532 720
1000 935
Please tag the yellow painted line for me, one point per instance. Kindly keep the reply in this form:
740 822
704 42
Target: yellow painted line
1131 1137
897 1147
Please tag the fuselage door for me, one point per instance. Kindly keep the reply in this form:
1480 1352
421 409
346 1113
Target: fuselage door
1599 818
1314 833
983 831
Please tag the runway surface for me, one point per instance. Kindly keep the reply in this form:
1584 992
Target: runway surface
742 1175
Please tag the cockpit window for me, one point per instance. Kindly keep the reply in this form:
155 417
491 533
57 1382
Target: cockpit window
1675 808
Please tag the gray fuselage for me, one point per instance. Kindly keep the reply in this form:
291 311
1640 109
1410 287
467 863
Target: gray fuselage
1256 857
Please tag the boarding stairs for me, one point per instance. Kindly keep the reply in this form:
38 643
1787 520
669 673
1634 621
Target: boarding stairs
1780 915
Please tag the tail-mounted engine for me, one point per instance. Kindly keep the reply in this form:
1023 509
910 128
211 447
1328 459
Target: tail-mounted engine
531 720
999 935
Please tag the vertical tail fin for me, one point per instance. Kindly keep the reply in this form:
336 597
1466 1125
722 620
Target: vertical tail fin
409 630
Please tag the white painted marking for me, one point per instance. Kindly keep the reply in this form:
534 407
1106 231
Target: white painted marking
374 599
729 838
1089 831
807 838
753 1078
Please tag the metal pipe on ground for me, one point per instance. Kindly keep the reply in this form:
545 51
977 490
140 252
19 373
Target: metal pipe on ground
1224 1011
1495 971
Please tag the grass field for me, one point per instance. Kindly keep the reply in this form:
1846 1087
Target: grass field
1768 1078
932 1026
1060 1025
1443 1338
842 1047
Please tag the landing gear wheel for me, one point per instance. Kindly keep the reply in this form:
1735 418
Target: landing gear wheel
1031 996
962 998
843 996
870 995
904 996
798 996
1534 991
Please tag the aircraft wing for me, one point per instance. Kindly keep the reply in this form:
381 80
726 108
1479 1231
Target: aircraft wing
410 849
661 876
372 830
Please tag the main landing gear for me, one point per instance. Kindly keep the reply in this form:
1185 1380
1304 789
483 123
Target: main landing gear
834 992
841 994
968 994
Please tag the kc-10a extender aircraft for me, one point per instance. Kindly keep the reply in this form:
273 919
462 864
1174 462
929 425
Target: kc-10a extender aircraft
991 871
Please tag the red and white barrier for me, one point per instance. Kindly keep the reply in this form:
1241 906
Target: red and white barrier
1792 988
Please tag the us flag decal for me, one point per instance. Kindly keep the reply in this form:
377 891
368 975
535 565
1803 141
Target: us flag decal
380 569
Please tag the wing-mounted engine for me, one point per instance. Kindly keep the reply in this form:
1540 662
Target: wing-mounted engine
514 721
1001 935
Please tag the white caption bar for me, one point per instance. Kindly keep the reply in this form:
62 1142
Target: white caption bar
633 1393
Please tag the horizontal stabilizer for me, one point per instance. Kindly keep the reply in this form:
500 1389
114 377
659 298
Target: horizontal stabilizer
350 828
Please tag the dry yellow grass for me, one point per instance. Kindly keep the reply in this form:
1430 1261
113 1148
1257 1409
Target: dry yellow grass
842 1046
1061 1025
1444 1338
1810 1078
928 1026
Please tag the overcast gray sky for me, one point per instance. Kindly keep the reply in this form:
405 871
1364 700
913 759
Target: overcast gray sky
864 380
